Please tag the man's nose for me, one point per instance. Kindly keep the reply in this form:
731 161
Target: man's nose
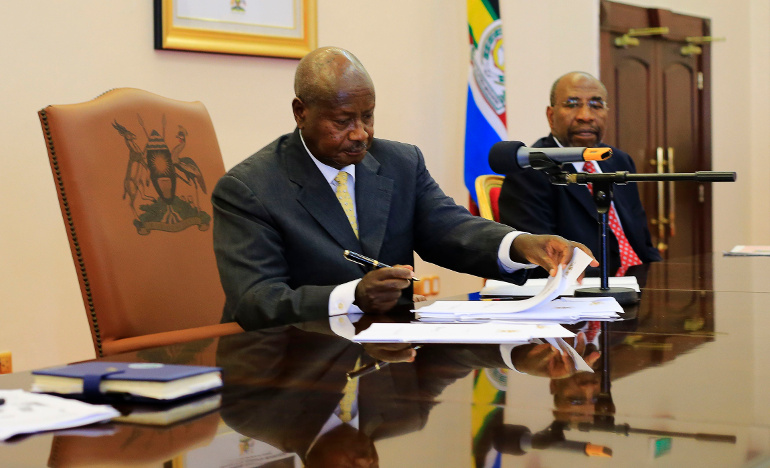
585 113
359 132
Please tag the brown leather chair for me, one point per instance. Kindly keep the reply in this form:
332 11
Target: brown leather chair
487 192
133 171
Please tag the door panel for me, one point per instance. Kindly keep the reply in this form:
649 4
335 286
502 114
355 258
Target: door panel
660 100
634 122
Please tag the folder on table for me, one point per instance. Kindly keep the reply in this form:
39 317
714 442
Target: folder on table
99 380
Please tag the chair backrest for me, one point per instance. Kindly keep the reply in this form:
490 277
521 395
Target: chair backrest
133 172
487 192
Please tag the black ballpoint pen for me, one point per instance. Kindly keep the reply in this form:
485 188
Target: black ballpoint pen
366 261
369 368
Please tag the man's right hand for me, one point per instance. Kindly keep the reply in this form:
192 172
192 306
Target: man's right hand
379 290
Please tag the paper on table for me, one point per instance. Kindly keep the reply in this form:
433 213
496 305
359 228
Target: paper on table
541 304
487 332
26 413
480 333
534 285
749 251
552 289
564 310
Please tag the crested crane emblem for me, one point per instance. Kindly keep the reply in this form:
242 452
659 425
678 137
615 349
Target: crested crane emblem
154 178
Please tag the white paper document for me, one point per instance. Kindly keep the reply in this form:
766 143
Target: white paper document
535 285
488 332
542 307
563 310
26 413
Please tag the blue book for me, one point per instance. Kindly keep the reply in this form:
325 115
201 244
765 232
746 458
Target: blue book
127 380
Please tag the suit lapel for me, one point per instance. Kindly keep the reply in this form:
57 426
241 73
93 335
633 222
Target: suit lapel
316 196
374 195
582 196
579 192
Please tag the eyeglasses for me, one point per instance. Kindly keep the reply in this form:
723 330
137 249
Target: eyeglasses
593 104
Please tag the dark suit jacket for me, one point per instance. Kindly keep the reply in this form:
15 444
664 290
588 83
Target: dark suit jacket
279 230
529 202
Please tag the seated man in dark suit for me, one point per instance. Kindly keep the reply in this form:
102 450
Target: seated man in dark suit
529 202
284 216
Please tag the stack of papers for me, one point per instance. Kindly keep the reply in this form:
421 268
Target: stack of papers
26 413
535 285
564 310
542 307
489 332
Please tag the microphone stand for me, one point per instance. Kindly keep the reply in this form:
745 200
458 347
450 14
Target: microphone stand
603 184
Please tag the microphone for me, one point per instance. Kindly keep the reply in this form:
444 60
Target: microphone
508 156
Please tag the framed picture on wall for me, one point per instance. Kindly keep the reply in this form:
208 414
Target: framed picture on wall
278 28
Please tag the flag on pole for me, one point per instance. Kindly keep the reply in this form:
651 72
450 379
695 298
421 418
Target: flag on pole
485 114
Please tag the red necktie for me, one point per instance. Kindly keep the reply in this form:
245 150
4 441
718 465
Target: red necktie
592 330
628 257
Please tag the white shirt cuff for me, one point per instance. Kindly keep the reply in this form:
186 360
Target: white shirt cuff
342 297
504 254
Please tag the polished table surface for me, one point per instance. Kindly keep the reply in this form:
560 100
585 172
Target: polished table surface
683 381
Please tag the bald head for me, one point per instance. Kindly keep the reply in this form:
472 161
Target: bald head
334 106
578 111
573 76
321 73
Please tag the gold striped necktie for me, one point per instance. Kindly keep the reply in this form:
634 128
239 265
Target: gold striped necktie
349 394
344 197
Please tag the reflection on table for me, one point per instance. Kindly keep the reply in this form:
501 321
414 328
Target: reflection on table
681 382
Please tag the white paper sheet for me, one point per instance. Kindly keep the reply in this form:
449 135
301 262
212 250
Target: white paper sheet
542 307
487 332
26 413
564 310
535 285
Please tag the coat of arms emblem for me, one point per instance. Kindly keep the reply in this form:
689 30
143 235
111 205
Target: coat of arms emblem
153 179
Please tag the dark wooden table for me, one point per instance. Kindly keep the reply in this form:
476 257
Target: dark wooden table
684 383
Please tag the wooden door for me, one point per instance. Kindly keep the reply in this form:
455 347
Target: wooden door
659 95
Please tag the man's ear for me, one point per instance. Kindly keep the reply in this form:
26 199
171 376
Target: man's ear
300 111
549 116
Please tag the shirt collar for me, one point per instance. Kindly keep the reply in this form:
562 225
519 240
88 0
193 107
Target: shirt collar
577 165
328 172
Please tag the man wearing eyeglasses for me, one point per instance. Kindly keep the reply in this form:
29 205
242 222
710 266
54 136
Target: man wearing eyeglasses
577 115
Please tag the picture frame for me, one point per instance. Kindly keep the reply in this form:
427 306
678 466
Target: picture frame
280 28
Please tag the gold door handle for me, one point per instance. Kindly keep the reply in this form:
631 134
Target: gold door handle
671 194
629 39
662 221
692 49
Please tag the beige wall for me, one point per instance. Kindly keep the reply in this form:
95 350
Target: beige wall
416 51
